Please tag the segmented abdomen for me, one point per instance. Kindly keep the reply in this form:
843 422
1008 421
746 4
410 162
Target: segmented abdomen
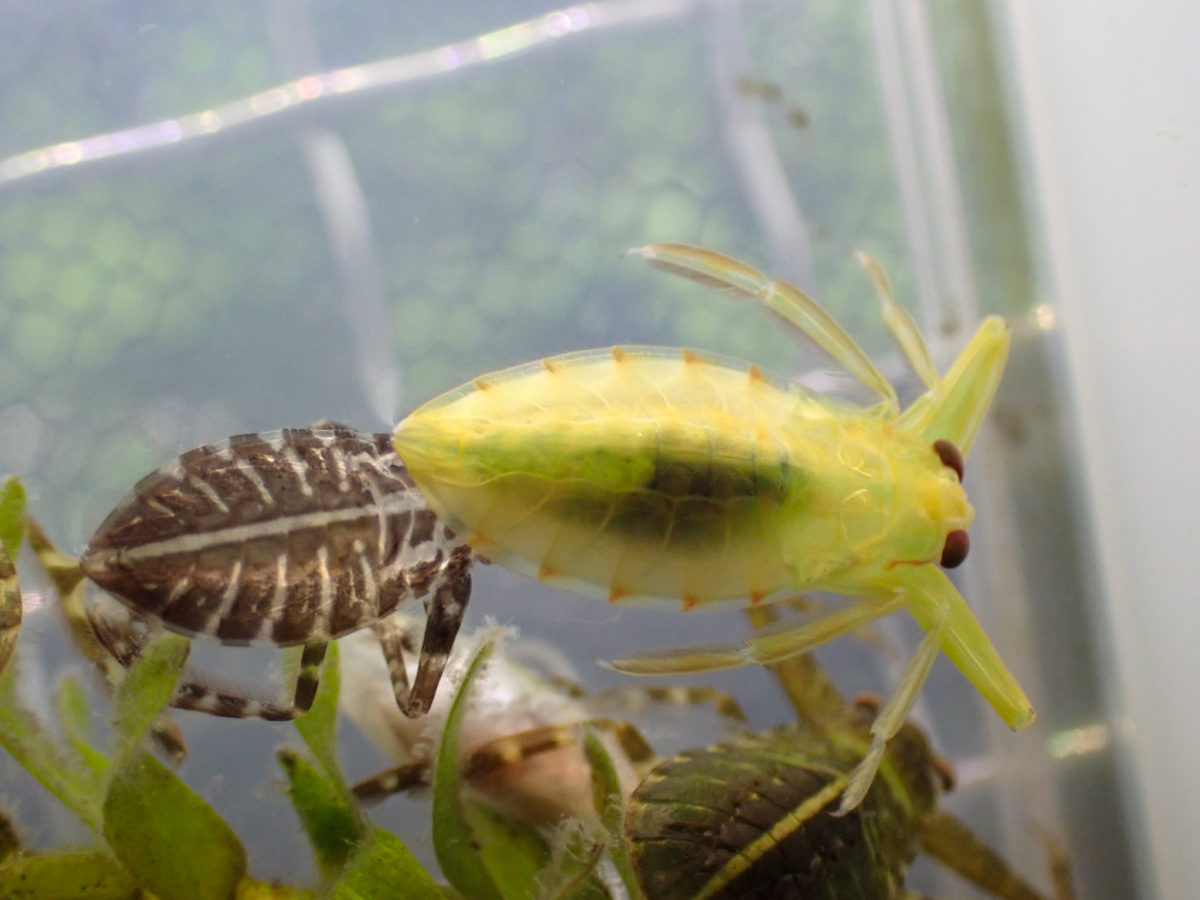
641 472
289 536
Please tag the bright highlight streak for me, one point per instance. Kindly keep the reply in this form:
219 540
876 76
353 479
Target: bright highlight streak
317 88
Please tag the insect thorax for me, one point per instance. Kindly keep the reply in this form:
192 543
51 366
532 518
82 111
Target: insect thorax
288 536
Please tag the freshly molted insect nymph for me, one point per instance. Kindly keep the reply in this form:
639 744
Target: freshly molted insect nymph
675 478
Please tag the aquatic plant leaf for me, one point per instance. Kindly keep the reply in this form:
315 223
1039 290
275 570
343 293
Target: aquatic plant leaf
146 689
60 771
252 889
513 854
454 843
12 515
75 716
89 875
606 795
571 872
383 869
330 818
318 726
164 833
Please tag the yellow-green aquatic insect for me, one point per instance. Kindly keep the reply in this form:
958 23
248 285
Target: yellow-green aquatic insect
666 476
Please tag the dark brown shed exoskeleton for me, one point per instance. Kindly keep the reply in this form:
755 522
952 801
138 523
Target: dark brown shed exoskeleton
292 537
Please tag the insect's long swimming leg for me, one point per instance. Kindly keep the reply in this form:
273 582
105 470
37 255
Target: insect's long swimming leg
900 324
116 629
765 648
795 308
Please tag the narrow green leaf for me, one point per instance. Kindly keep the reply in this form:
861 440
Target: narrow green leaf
146 689
12 515
164 833
454 843
76 718
606 795
252 889
329 817
513 854
384 869
318 726
61 772
571 873
90 875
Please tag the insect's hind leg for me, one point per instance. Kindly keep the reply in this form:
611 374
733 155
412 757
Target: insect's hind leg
444 616
391 781
795 308
764 648
124 636
200 696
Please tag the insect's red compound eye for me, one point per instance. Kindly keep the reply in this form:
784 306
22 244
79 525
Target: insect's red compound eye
949 456
954 551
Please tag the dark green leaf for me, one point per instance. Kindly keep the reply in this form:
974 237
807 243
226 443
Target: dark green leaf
383 869
75 717
454 842
173 841
62 773
318 726
606 795
91 875
12 515
330 818
146 689
513 854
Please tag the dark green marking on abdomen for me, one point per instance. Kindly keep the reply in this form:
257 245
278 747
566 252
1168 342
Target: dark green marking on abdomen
698 502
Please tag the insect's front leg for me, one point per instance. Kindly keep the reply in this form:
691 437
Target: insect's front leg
934 602
955 408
